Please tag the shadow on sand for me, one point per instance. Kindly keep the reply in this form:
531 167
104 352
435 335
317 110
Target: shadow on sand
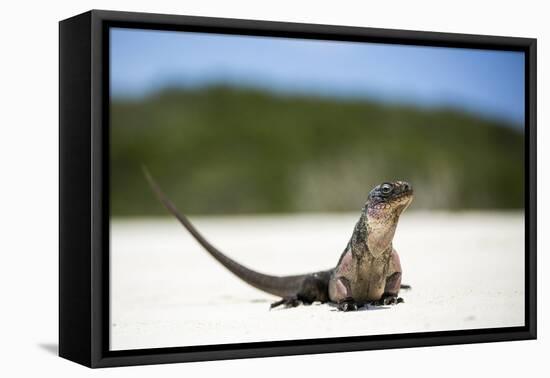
52 348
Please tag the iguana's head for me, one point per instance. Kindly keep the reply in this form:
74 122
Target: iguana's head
385 204
389 198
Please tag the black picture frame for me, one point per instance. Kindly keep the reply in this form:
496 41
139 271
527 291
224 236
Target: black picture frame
84 188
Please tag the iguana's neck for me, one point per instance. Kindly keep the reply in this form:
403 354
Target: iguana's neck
380 229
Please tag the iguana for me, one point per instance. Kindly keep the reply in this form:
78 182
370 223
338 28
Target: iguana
368 270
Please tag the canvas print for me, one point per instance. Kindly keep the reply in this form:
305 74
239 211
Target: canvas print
268 189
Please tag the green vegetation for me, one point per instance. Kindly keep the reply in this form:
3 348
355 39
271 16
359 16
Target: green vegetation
222 150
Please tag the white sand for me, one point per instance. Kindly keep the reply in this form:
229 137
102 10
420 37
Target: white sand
466 269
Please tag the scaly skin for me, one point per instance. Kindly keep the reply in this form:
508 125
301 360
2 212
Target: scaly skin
368 270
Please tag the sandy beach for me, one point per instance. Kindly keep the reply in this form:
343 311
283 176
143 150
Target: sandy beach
466 270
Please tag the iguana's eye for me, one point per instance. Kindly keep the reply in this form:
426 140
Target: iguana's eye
386 188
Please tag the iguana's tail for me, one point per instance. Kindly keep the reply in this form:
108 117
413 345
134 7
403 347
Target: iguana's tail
281 286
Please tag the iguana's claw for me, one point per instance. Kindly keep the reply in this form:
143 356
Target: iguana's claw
347 304
388 300
287 302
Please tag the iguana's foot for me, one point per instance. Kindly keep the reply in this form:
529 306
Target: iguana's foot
347 304
287 302
388 299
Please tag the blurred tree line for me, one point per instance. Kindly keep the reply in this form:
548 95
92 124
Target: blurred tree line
228 150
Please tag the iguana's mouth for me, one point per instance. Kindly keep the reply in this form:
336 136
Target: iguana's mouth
404 195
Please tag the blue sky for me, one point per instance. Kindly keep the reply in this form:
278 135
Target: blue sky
488 83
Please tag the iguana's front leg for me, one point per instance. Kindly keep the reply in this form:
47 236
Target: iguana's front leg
393 283
341 294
